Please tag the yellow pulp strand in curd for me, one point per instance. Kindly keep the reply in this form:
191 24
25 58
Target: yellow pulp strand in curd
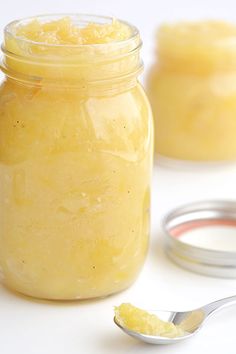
75 169
192 89
141 321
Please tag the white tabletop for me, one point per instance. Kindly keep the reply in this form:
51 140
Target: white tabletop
39 327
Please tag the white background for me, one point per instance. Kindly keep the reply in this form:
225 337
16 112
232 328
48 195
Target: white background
38 327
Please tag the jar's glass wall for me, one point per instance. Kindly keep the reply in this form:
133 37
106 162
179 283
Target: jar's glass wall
75 170
192 89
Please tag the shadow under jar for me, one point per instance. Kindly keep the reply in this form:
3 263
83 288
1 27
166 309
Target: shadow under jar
75 158
192 89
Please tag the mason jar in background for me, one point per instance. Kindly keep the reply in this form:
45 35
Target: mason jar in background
75 165
192 89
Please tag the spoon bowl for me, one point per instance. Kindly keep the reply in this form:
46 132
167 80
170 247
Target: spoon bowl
189 321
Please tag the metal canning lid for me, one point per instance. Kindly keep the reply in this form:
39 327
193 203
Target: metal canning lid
202 237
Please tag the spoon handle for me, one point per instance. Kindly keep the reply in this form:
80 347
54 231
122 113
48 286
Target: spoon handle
218 305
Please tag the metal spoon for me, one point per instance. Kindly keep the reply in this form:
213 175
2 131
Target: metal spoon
189 321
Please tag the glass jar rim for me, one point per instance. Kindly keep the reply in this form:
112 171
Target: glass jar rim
197 47
99 62
81 18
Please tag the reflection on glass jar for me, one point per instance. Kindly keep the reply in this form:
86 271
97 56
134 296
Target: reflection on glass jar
75 160
192 89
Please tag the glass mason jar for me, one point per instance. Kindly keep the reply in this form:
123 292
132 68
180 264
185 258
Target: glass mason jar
75 165
192 89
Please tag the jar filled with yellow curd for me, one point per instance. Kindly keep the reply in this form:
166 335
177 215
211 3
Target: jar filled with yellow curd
192 89
75 157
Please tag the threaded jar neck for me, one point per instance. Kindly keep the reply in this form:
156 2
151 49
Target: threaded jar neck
72 64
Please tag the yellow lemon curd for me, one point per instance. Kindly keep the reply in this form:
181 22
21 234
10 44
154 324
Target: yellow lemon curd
141 321
75 158
192 88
